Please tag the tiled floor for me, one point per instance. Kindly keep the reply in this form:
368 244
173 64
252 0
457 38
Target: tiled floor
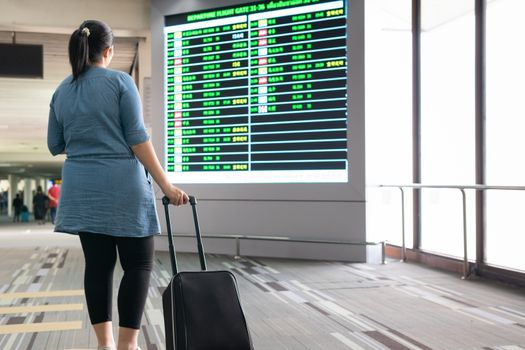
289 304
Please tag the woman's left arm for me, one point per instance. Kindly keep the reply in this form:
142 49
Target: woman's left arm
55 134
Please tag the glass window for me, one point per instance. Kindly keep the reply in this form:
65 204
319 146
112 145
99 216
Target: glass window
388 94
447 122
505 127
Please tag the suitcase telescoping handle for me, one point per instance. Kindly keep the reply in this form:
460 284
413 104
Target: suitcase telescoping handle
173 257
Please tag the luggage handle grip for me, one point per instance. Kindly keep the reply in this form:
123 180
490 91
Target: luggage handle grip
192 200
173 258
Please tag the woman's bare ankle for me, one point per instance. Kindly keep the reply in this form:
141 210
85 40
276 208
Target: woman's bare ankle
104 333
128 339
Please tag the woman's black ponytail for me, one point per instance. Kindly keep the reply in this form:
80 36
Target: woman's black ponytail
78 52
86 45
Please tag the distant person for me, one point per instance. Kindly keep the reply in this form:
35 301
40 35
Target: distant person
40 206
4 204
1 203
17 207
24 214
106 196
54 195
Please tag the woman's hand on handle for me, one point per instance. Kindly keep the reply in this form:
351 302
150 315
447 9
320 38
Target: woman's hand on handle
177 196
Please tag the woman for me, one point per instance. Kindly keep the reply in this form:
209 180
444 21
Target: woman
107 199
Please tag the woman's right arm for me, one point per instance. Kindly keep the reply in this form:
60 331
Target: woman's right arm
147 156
139 142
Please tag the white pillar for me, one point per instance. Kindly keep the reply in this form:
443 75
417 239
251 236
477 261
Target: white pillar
13 189
28 194
144 63
42 183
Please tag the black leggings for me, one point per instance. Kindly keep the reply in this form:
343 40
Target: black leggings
136 259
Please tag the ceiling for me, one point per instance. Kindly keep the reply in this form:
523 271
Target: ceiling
24 104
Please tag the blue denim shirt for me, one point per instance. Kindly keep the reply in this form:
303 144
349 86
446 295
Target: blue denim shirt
105 189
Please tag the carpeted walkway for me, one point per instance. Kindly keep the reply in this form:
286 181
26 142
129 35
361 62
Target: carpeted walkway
289 304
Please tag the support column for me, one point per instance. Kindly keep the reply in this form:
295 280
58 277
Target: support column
11 193
40 182
144 62
28 194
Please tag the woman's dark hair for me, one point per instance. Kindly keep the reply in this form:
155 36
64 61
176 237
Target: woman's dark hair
87 43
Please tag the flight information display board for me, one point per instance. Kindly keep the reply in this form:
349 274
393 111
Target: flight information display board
257 93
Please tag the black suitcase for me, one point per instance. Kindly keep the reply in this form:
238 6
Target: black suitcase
202 310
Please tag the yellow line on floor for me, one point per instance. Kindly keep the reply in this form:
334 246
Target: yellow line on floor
40 308
40 327
43 294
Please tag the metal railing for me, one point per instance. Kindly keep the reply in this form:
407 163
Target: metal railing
238 239
461 188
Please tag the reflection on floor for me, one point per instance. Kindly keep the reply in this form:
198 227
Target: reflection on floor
289 304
